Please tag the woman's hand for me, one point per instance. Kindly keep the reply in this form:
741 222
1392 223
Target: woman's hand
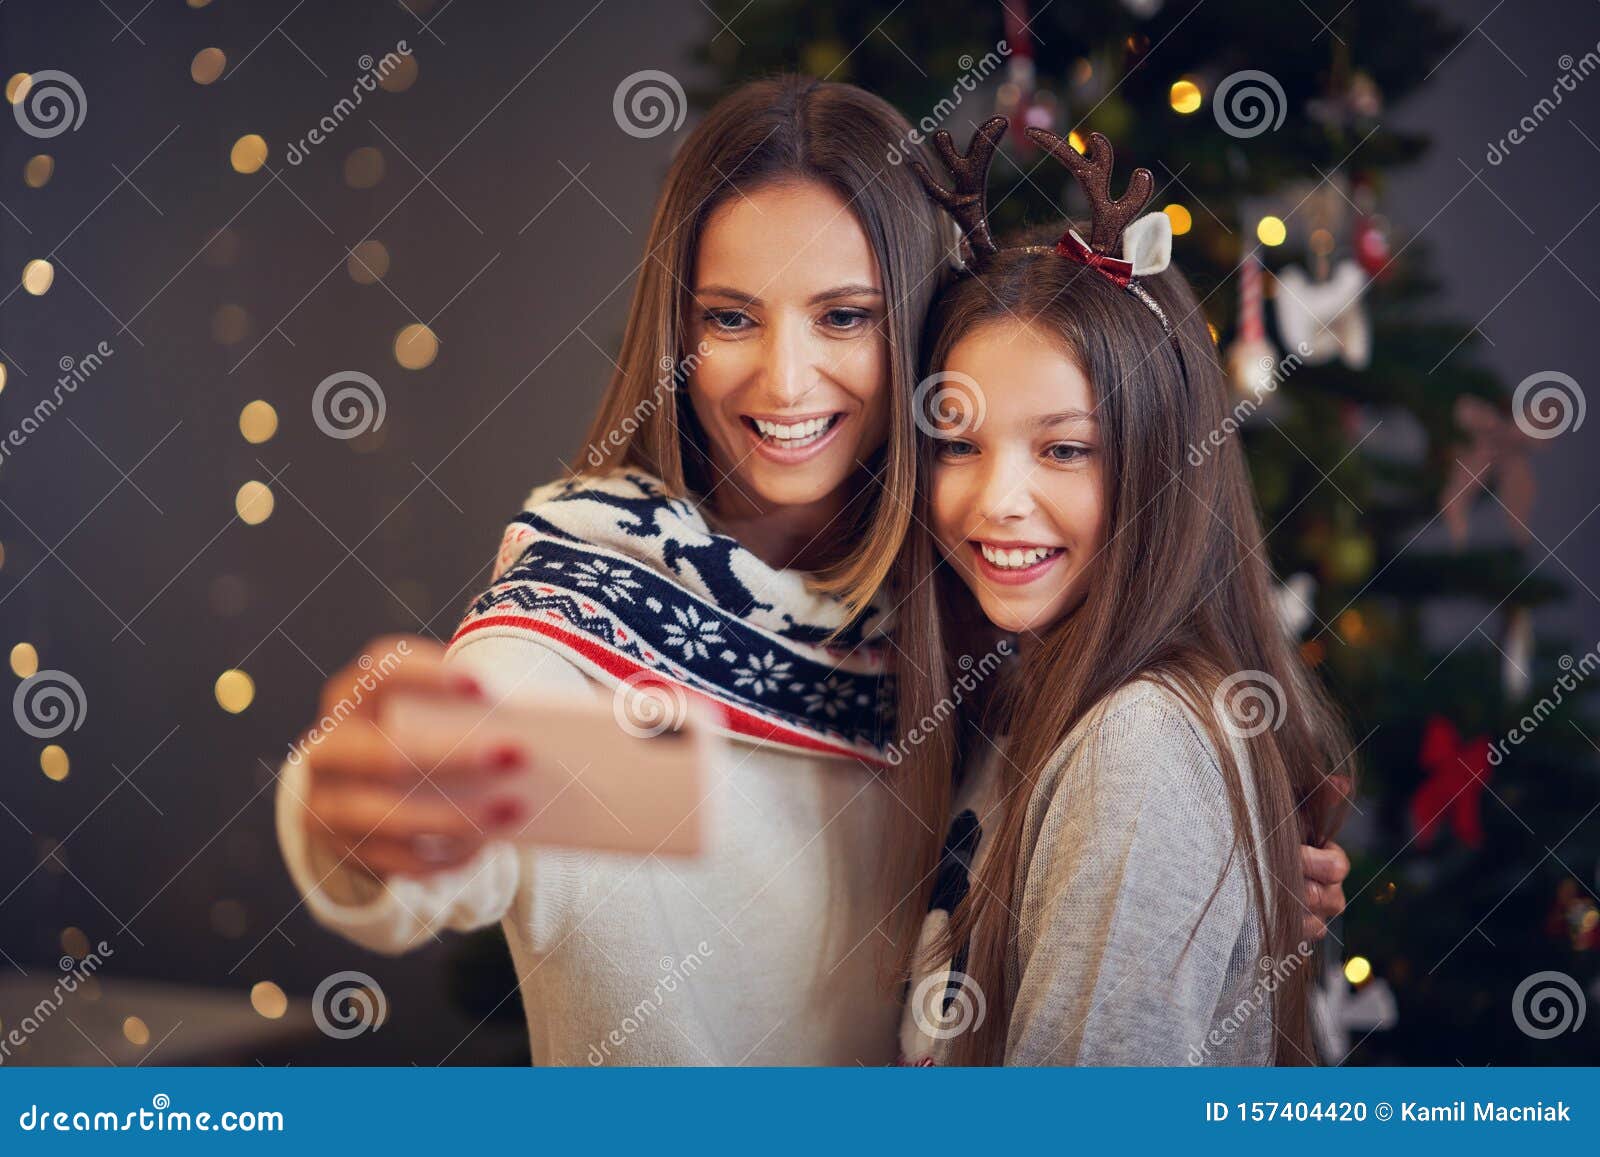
369 799
1325 868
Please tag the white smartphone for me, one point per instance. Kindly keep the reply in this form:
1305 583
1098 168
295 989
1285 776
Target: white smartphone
594 777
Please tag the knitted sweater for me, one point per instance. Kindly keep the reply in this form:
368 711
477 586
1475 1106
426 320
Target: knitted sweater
1127 834
760 951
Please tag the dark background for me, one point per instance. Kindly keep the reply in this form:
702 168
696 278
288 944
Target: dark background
513 210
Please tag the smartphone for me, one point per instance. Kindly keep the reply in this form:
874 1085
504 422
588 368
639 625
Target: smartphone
596 777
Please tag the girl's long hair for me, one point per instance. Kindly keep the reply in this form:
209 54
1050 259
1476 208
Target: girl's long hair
789 128
1181 590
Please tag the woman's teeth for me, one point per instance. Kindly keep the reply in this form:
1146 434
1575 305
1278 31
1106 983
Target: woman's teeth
792 437
1016 559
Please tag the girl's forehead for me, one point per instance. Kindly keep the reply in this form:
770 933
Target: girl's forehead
1020 371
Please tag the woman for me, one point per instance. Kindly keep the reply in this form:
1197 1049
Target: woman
1122 883
787 274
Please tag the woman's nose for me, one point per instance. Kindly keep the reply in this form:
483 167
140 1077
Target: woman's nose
790 372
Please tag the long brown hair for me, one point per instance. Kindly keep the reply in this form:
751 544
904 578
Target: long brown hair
769 131
1180 591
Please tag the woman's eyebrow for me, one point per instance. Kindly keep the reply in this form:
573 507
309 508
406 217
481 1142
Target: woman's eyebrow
728 291
1062 416
844 291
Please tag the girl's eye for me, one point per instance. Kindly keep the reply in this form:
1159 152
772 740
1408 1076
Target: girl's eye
730 320
954 449
846 318
1065 452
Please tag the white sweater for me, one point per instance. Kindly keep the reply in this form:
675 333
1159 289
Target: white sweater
761 951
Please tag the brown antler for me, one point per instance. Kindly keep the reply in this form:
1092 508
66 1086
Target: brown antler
1092 168
966 202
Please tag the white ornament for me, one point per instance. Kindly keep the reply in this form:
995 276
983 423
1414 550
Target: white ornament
1326 318
1294 599
1338 1010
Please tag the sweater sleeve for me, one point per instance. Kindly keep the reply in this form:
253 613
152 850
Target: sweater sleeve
404 913
1133 836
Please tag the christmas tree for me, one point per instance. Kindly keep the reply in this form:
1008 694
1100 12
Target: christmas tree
1472 933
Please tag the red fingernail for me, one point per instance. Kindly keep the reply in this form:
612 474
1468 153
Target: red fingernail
504 759
503 812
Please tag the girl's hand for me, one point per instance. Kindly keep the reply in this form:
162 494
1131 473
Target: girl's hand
1326 868
370 800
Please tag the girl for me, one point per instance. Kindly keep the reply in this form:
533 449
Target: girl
747 489
1133 798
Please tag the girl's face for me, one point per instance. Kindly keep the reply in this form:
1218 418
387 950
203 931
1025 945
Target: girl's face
1018 504
792 382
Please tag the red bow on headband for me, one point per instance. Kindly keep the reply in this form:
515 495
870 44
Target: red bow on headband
1075 248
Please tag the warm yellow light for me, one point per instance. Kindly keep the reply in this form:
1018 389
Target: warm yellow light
268 999
1185 97
36 173
136 1031
1212 330
17 87
54 763
249 153
235 691
37 276
364 168
1271 231
230 324
258 421
74 943
415 346
24 660
1182 221
254 503
368 262
2 377
1357 969
207 65
402 76
1075 139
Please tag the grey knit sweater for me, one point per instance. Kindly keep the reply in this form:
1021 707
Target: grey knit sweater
1127 834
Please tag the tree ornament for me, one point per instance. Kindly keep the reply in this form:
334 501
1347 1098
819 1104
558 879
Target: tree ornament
1497 451
1338 1009
1328 318
1457 774
1251 359
1516 654
1294 599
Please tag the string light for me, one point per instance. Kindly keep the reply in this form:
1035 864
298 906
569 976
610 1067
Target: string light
268 999
24 661
402 77
258 421
1185 96
364 167
230 324
37 276
2 377
235 691
1271 231
1357 969
416 346
207 65
1182 220
1075 139
17 87
54 763
369 262
136 1031
253 503
38 170
249 153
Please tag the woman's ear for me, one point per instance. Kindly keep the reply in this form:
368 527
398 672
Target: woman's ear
1148 244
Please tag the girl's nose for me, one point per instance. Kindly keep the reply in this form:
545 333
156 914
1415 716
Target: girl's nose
1005 495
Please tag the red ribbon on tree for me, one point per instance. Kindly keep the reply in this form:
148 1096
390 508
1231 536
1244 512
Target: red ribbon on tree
1075 248
1457 772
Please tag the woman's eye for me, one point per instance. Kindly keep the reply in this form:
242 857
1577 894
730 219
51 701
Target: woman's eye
1065 452
846 318
953 449
726 319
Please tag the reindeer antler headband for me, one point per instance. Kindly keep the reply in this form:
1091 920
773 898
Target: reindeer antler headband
1122 245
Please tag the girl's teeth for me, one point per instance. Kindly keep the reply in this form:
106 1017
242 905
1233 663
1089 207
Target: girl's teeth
794 435
1016 558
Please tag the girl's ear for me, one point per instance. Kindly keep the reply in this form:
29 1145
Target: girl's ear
1148 244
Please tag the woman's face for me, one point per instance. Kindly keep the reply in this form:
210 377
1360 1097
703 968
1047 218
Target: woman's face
792 381
1018 503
